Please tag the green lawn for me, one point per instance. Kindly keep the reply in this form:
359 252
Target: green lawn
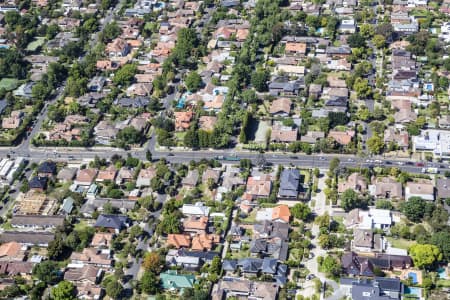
36 44
9 84
306 176
251 218
400 243
443 283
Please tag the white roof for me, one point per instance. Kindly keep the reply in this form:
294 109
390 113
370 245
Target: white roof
198 209
264 215
375 217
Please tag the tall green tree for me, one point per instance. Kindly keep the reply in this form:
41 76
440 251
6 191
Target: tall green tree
65 290
425 256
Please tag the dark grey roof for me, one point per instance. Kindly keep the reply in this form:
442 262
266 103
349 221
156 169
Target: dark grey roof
250 265
206 256
229 3
3 105
41 221
236 230
339 50
377 289
282 269
47 167
337 101
272 229
111 221
269 265
280 279
93 204
289 180
258 245
38 182
138 102
229 265
287 86
27 237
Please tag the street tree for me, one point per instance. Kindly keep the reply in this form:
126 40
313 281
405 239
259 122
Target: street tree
375 144
152 262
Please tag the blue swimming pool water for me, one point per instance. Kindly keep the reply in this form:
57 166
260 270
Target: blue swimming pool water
409 290
413 277
442 273
181 102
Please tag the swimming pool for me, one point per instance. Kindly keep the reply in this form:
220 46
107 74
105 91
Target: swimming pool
409 290
413 277
442 273
181 102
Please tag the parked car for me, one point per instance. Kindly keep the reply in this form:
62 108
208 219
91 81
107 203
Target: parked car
310 277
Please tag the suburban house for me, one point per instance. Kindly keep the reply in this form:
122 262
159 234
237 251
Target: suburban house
280 107
283 134
342 137
312 137
113 223
237 287
14 121
357 265
102 240
278 213
197 209
85 177
195 224
189 260
211 175
295 48
364 240
46 169
284 87
386 188
204 242
377 288
36 222
368 219
354 182
259 186
183 120
145 177
289 184
179 240
108 174
66 174
423 189
28 238
443 188
172 281
38 183
117 48
191 179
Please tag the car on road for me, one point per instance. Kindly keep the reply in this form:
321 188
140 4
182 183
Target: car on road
420 164
322 158
293 157
400 163
170 154
350 159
